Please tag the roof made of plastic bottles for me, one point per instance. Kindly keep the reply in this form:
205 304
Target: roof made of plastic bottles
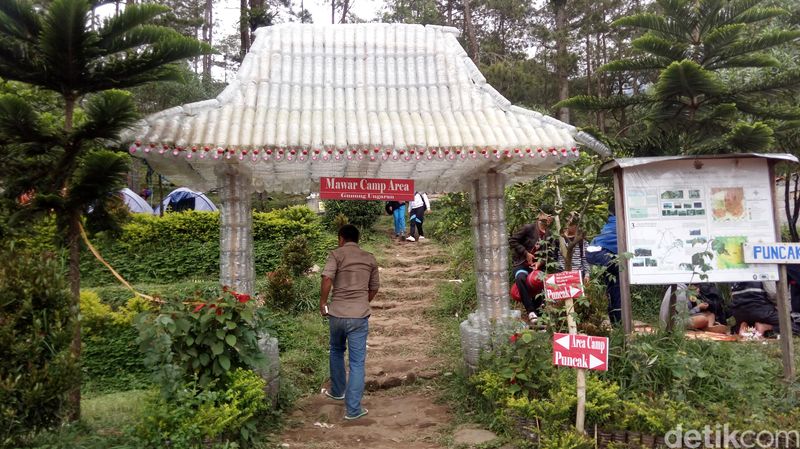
358 100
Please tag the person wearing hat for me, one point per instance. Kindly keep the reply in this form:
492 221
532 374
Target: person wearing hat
531 247
572 235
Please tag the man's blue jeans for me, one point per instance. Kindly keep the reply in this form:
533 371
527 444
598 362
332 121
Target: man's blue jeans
351 332
400 220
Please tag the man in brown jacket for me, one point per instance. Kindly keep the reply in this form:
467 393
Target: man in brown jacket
352 274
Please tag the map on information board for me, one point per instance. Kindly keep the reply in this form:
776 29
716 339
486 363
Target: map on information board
683 221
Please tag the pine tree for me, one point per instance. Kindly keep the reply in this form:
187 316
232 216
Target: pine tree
55 47
713 66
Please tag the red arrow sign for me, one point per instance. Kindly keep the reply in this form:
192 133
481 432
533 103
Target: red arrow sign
564 285
580 351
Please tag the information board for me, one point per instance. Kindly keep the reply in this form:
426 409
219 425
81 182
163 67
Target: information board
677 210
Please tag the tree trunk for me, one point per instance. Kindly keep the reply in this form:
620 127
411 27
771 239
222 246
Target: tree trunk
345 9
562 56
469 30
208 31
244 28
74 275
73 240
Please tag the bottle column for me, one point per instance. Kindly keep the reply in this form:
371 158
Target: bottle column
236 262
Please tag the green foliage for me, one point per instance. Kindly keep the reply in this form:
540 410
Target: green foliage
359 213
280 288
103 422
202 340
306 293
529 352
101 57
696 372
567 440
198 416
111 360
458 299
304 351
451 222
581 191
186 245
37 369
654 383
297 256
715 66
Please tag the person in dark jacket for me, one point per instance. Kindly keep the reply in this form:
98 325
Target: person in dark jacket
603 252
532 246
751 307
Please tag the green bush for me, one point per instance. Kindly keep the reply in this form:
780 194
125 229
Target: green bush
742 378
280 288
110 358
36 331
200 339
203 417
363 214
654 382
451 222
186 245
297 256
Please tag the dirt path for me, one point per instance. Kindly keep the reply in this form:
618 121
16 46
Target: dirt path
402 415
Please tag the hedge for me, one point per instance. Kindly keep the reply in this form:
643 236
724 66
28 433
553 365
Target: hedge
185 245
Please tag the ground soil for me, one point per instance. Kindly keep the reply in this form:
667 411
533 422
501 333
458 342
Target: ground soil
404 412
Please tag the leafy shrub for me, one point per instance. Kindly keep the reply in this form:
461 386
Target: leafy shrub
699 372
363 214
297 256
37 368
110 357
306 294
280 288
186 245
451 222
205 417
204 343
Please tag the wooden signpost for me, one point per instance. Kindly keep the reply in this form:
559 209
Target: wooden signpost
573 350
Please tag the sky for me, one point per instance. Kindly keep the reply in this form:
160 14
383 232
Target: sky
228 11
226 17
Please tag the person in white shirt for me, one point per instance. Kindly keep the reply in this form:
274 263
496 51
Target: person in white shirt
418 207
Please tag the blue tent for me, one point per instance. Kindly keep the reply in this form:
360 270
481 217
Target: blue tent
134 202
182 199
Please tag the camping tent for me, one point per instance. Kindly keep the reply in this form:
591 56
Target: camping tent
182 199
135 203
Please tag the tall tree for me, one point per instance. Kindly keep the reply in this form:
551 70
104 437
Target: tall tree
714 78
53 47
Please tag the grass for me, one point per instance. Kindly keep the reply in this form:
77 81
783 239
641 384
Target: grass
103 424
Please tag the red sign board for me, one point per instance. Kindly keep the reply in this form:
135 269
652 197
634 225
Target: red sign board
366 189
564 285
580 351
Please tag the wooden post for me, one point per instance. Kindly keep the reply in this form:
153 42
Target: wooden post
622 248
580 416
784 318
